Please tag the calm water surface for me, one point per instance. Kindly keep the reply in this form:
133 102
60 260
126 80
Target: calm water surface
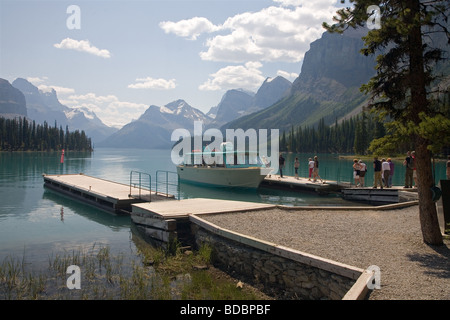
37 223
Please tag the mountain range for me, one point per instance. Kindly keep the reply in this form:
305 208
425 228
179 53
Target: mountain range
237 102
327 88
23 99
154 127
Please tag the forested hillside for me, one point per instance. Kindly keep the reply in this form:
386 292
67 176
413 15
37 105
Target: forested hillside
349 136
23 135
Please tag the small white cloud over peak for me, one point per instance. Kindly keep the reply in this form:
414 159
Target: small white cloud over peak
40 83
248 76
151 83
37 80
82 46
190 28
59 90
288 75
109 108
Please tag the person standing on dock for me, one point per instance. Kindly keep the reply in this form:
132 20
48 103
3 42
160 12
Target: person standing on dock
311 167
377 173
391 171
281 164
296 166
362 173
409 170
386 172
316 169
413 159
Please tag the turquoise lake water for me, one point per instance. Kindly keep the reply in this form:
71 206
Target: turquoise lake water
37 223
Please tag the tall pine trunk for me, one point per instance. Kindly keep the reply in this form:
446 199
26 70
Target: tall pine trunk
427 208
429 223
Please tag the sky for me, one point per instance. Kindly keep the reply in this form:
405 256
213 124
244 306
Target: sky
119 57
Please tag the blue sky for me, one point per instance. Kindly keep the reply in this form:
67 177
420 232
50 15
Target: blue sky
118 57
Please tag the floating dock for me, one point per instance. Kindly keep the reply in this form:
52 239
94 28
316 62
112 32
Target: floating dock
370 195
107 195
380 196
320 186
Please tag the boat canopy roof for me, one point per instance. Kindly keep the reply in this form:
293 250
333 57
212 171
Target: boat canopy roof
198 152
225 148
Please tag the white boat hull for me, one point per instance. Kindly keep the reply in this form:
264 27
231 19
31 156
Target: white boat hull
223 177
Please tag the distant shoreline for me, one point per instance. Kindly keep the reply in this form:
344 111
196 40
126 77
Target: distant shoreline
43 151
370 157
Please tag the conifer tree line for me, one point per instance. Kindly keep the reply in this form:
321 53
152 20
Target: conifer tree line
21 134
352 135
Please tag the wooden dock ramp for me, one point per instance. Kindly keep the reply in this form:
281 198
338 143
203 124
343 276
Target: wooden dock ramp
162 222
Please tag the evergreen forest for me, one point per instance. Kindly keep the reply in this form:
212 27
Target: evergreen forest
20 134
352 135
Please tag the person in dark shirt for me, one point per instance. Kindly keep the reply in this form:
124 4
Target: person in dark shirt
377 173
316 170
281 164
408 163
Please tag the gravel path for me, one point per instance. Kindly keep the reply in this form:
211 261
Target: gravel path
392 240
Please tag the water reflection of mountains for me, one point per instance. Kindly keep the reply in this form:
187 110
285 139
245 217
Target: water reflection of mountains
112 221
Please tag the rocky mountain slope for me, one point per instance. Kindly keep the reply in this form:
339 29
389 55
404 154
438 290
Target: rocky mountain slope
12 101
44 106
328 85
238 103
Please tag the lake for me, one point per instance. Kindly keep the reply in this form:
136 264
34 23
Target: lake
37 223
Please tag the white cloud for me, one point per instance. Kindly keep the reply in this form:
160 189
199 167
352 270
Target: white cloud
246 76
151 83
275 33
288 75
108 108
286 3
37 80
190 28
82 46
59 90
39 83
271 34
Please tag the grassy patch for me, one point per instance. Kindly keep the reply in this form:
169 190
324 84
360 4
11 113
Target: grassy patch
154 274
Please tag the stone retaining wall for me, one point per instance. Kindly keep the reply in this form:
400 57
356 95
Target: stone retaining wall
278 271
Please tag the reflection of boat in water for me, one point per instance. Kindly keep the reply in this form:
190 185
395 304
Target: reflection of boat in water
224 168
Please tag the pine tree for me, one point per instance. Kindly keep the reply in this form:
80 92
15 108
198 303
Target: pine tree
401 86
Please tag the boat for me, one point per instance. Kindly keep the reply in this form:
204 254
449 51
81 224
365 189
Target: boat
239 169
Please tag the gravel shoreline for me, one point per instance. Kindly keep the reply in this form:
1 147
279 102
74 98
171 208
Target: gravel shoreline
390 239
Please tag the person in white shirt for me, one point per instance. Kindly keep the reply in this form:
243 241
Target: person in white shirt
311 167
362 172
385 172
